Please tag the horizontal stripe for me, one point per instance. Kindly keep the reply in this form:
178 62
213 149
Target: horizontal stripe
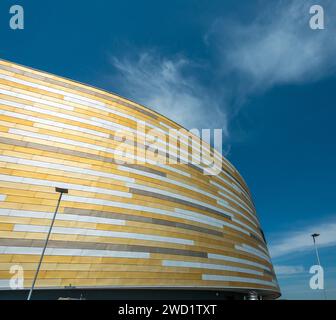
69 186
59 216
131 156
4 283
179 213
253 251
209 220
238 260
190 187
189 216
160 194
211 277
2 197
140 169
232 226
50 89
73 252
178 196
107 125
98 104
200 265
100 233
87 89
62 167
54 124
99 246
240 204
128 217
37 100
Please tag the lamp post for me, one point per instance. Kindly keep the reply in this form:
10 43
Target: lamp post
61 191
315 235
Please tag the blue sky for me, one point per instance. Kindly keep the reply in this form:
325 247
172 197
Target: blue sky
253 68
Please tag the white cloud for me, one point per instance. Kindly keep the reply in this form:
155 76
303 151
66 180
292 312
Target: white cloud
275 47
278 46
301 240
167 86
288 270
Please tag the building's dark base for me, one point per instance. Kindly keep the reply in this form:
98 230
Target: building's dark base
121 294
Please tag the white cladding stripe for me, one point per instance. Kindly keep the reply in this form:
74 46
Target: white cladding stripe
163 192
88 102
247 227
62 167
2 197
266 255
178 213
238 200
95 121
200 265
74 252
189 187
213 277
100 233
51 183
37 100
238 260
235 196
31 134
5 283
226 224
240 204
263 249
234 184
174 195
54 124
253 251
79 99
240 214
46 88
59 216
238 189
72 217
198 217
16 179
87 171
166 146
169 180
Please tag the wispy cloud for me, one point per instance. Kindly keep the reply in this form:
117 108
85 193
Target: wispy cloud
167 86
273 47
281 270
277 46
301 240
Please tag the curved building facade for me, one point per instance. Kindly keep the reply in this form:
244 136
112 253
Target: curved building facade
133 226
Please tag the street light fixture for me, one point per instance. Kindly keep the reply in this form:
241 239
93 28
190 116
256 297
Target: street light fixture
315 235
61 191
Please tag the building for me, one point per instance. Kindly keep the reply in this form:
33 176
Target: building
125 229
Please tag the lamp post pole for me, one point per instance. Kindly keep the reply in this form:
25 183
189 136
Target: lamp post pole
315 235
60 191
